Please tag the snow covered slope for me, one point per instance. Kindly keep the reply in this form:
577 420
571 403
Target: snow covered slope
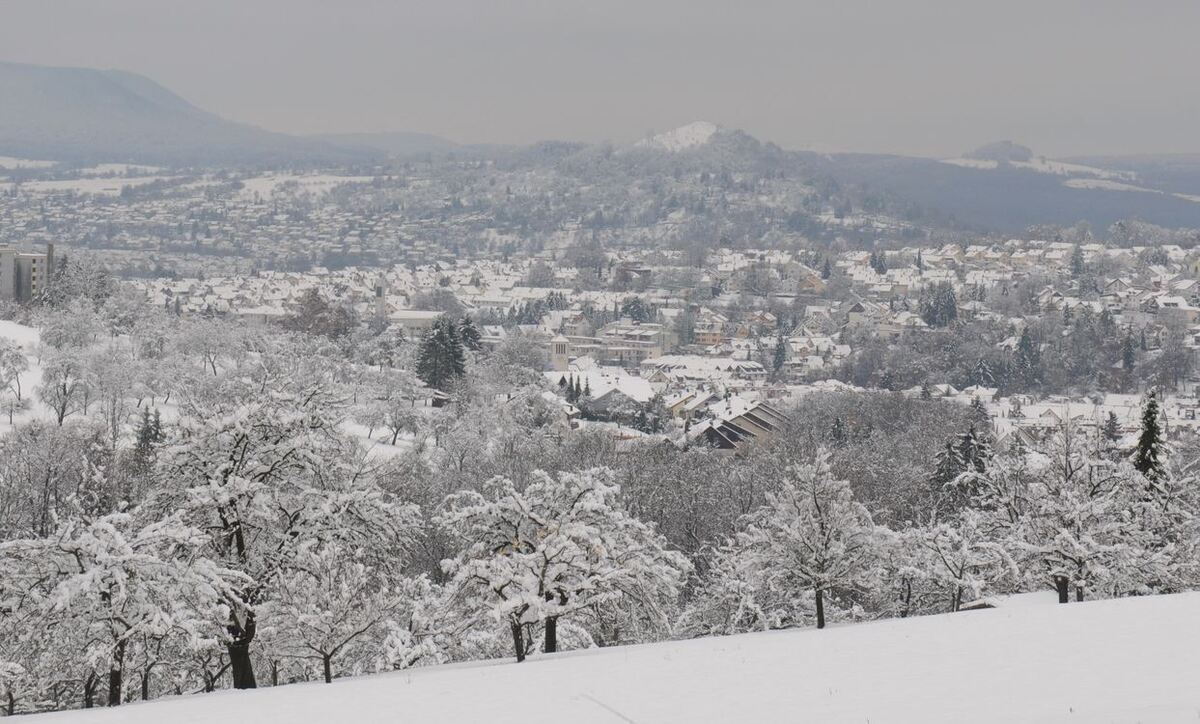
1109 661
692 135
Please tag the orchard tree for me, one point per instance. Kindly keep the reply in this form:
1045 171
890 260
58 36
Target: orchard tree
334 599
265 473
811 534
563 545
117 581
13 363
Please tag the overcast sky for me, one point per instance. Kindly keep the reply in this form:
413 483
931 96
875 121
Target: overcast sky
930 77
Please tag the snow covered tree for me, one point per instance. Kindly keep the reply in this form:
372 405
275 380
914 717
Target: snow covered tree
1074 521
333 599
393 404
1112 428
117 581
781 354
962 559
1128 356
636 309
1027 360
440 358
267 474
11 405
811 534
982 374
63 387
13 363
948 465
939 305
1147 454
561 546
469 334
1077 265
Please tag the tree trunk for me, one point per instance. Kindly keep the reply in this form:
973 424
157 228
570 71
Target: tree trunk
1079 594
820 608
551 635
146 685
89 691
1063 586
518 640
10 707
240 665
116 679
325 664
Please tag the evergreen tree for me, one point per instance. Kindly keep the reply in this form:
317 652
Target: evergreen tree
1147 454
440 359
826 269
939 305
982 374
978 413
837 433
1128 354
780 353
974 451
1112 428
948 465
1077 262
469 334
1027 360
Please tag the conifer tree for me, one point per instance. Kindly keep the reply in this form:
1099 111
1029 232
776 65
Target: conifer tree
440 359
1112 428
1027 359
982 374
948 465
780 354
837 433
1147 454
469 334
1077 262
1128 355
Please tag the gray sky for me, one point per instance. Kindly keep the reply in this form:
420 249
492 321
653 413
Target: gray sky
931 77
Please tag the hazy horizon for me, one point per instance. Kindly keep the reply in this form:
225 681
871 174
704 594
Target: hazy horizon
931 77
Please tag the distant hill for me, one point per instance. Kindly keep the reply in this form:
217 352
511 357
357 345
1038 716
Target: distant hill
999 187
1006 151
87 115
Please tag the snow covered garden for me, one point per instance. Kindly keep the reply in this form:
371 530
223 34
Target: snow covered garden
190 504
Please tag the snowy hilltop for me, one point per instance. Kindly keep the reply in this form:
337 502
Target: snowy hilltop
683 138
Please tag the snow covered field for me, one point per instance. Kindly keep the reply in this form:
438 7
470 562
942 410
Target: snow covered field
8 162
98 186
317 184
29 339
1129 660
